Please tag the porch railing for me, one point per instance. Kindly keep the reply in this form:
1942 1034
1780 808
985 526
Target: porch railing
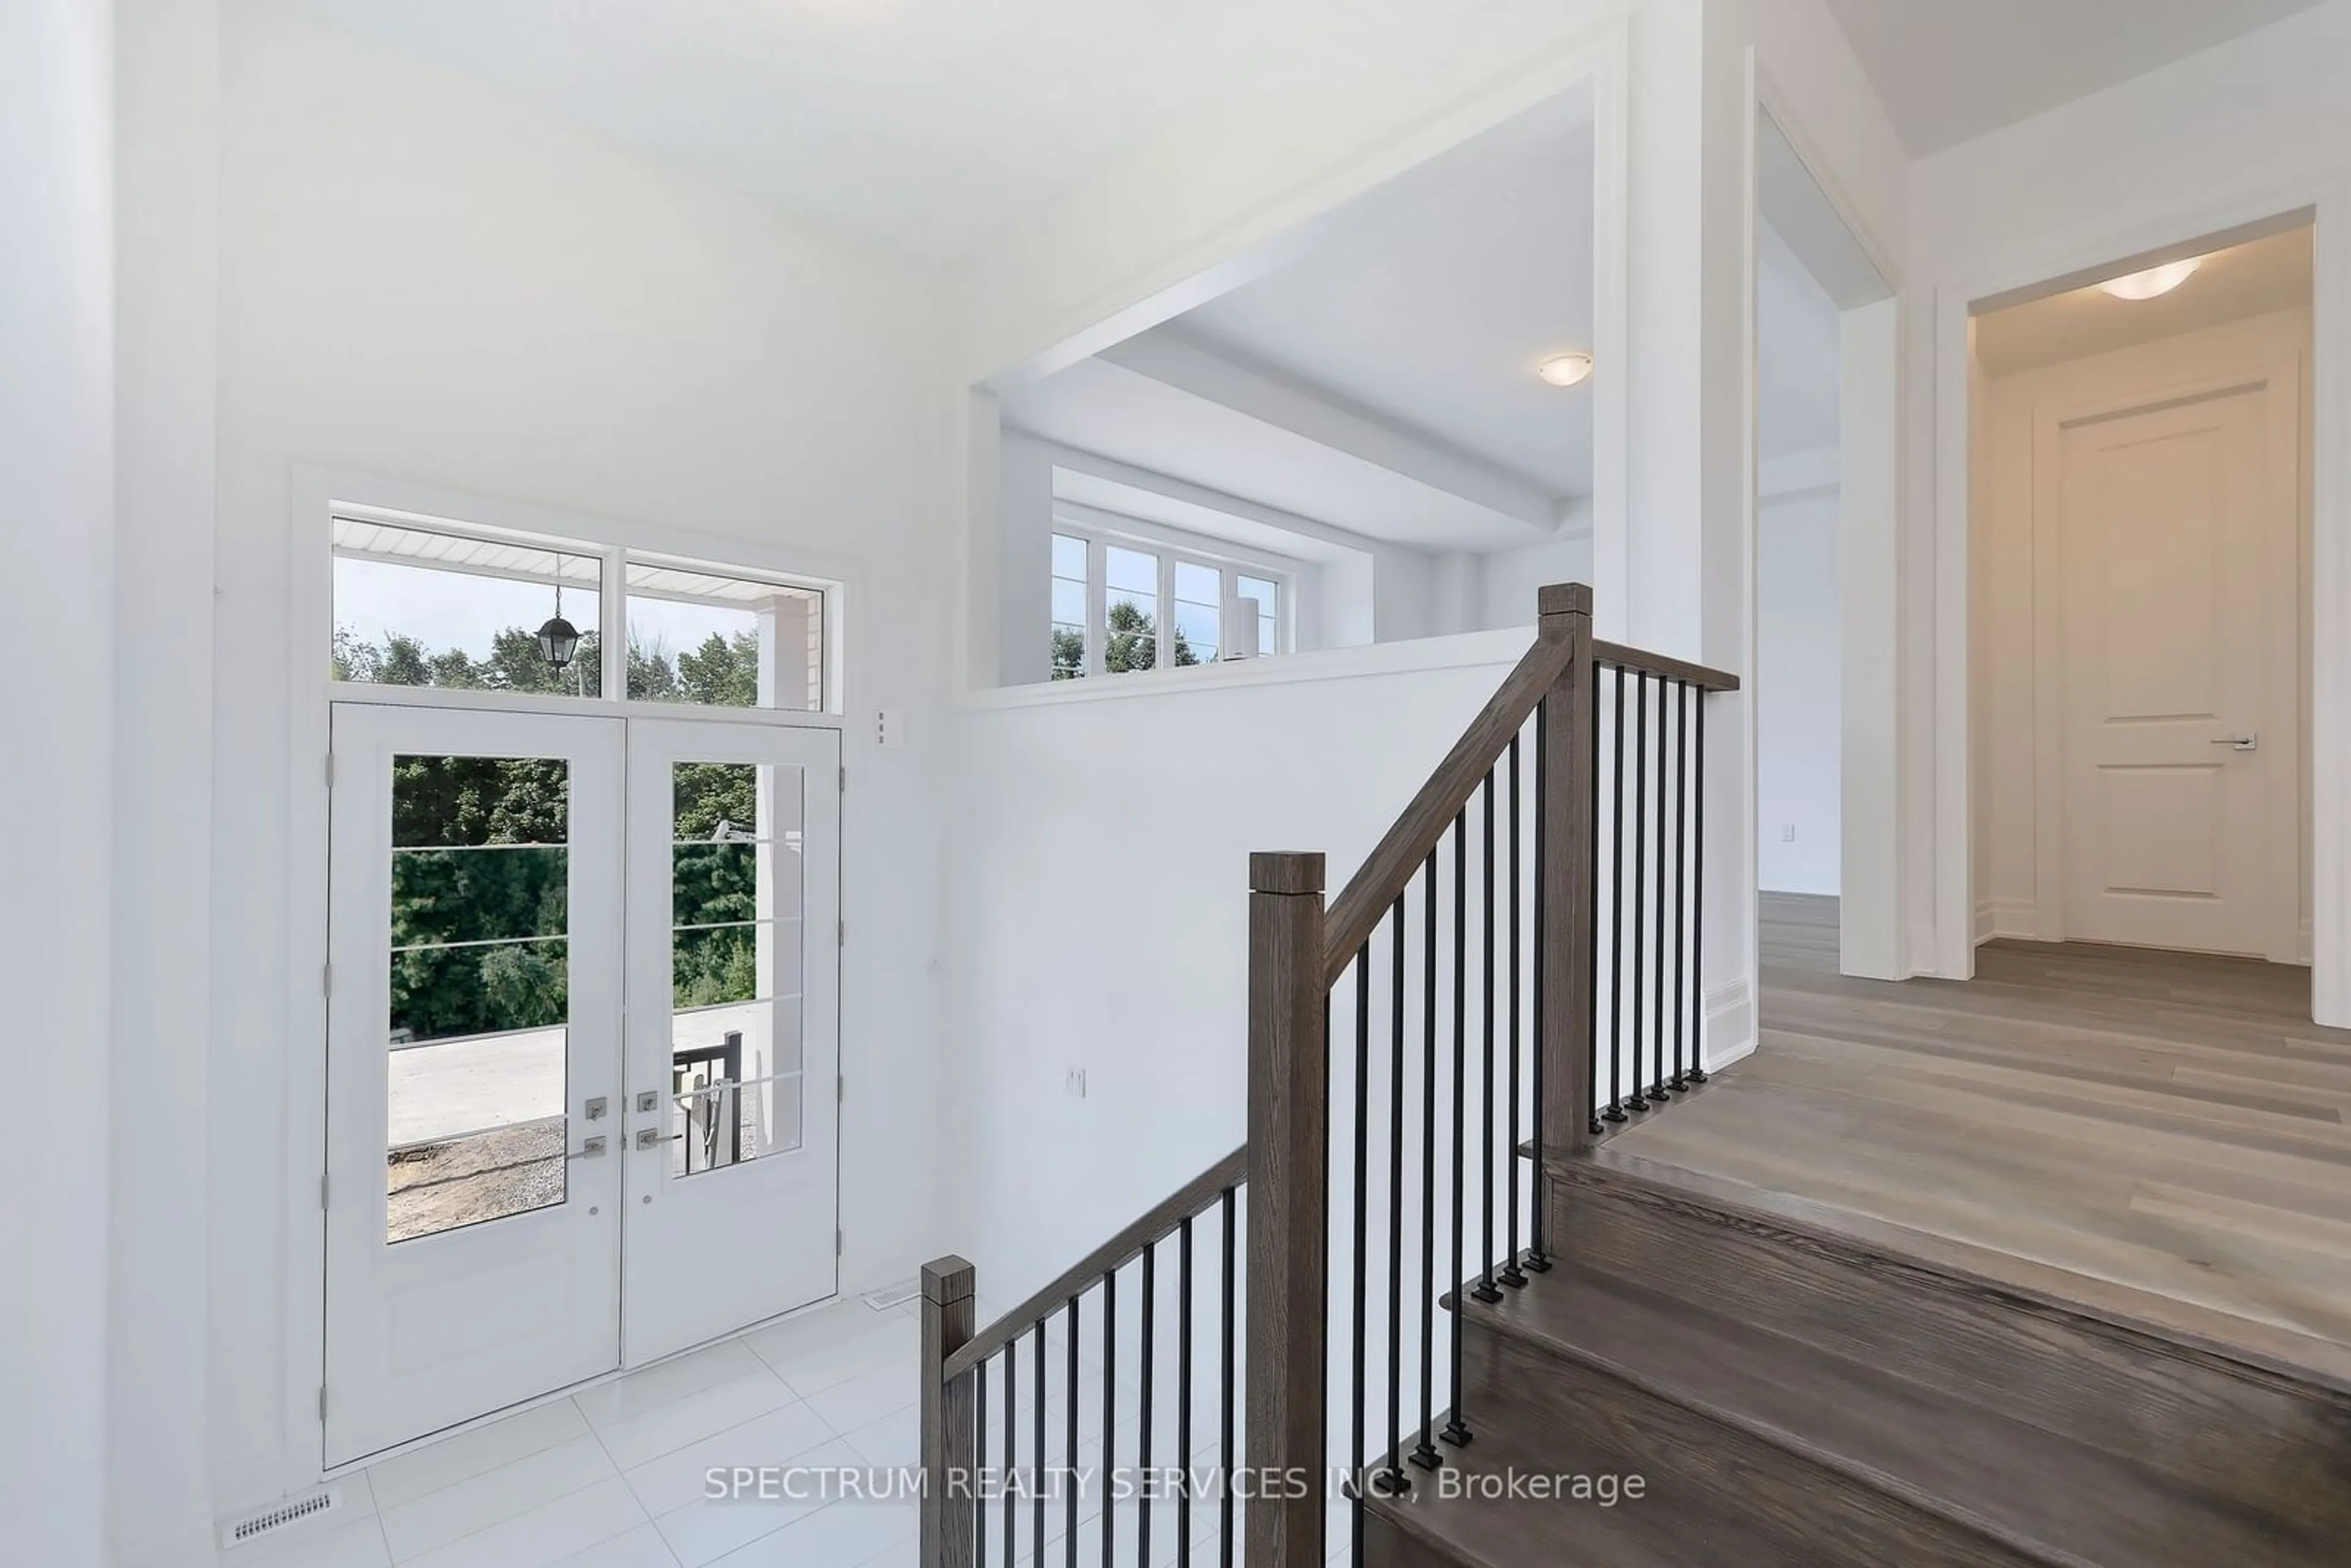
1515 969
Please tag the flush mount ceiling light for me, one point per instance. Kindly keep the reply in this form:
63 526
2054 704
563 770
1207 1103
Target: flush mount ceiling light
1565 370
2154 280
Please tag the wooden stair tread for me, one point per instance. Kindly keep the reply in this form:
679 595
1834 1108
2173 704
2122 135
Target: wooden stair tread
2040 1495
2177 1327
1662 1529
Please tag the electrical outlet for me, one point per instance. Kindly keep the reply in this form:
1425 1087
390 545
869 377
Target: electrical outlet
1074 1080
1787 833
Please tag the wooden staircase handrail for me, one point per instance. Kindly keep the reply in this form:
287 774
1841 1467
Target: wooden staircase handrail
1157 1223
1356 912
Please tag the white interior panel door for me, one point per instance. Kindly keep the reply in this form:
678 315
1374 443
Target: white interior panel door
474 1066
2180 705
734 901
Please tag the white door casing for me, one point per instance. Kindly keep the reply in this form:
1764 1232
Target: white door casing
733 1194
502 1286
2168 520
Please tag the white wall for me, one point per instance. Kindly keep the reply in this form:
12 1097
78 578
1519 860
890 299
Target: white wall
2105 177
425 280
57 531
2004 670
167 202
1099 903
1798 660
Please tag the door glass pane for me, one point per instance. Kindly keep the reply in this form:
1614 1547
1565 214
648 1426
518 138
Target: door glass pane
735 946
480 989
1131 609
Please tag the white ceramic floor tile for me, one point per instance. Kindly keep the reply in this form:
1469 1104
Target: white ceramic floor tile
492 1497
637 1393
451 1460
894 1441
640 1548
707 1528
776 1437
337 1543
824 1328
869 1397
668 1428
904 1554
890 1336
839 1536
544 1534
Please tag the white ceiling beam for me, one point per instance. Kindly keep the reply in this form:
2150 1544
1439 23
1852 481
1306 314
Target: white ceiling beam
1176 362
1201 496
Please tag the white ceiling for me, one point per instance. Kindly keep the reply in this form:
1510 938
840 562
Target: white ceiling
1383 382
2250 279
925 125
1949 70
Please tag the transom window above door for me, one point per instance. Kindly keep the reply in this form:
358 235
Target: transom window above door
1121 605
450 608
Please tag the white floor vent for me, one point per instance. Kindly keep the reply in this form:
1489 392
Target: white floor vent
279 1516
890 1296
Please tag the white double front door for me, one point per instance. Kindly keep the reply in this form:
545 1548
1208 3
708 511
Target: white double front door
582 1051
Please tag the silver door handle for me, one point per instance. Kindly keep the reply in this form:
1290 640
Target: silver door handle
590 1149
2239 742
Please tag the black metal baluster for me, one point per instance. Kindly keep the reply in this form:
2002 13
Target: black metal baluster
1681 866
1698 903
1639 1100
1011 1438
979 1467
1393 1439
1110 1407
1511 1273
1356 1465
1143 1488
1232 1352
1037 1459
1423 1452
1616 1112
1455 1431
1591 1020
1665 743
1538 1260
1069 1452
1183 1392
1487 1289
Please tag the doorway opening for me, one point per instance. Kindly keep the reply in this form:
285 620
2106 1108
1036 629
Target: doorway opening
1820 516
2139 483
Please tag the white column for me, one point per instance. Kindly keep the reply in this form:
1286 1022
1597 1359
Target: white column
166 211
57 534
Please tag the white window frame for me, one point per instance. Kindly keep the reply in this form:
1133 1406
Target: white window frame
1170 546
612 593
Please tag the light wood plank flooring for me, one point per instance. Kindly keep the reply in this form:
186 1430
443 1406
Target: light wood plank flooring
2170 1124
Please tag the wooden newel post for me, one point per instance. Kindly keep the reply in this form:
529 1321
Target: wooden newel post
1567 888
949 1433
1288 1209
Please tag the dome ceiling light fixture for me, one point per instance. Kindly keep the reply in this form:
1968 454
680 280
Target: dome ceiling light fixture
1565 370
2154 280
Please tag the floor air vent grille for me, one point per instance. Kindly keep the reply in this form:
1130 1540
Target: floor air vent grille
277 1516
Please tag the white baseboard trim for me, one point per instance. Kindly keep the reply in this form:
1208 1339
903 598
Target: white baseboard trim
1730 1026
2018 919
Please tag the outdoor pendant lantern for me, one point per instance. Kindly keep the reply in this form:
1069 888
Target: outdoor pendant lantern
559 639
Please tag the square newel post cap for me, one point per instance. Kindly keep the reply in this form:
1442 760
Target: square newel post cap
948 1279
1286 871
1563 599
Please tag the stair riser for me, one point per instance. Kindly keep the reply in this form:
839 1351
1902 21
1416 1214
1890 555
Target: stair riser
2227 1428
1589 1419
